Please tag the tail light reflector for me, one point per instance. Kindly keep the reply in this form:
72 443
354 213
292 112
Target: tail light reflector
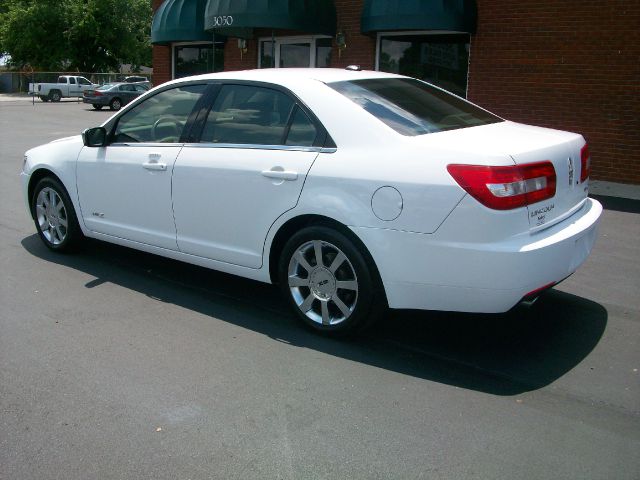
585 163
509 187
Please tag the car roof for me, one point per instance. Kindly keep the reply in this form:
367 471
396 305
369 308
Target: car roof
287 75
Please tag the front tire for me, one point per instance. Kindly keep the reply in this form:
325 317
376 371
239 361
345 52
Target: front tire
54 216
328 282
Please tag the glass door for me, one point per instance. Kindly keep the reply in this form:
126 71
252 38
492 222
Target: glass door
292 52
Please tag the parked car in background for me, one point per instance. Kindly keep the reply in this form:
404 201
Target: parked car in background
134 79
113 95
140 80
67 86
352 190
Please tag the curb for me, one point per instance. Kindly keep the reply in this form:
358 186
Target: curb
612 189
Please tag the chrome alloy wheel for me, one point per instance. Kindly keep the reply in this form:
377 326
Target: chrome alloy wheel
323 282
52 216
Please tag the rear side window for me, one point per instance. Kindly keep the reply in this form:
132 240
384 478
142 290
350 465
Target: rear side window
245 114
412 107
302 131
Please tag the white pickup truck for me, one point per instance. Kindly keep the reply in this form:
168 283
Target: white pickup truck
67 86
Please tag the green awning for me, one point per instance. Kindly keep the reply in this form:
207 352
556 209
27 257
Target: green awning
238 18
179 21
405 15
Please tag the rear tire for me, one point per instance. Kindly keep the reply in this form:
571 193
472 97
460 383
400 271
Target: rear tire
96 107
116 104
329 283
44 99
55 95
54 216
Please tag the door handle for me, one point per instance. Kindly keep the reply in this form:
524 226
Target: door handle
280 174
154 165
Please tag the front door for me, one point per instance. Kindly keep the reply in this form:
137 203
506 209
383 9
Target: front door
125 188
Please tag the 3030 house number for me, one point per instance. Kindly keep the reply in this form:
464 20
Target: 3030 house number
223 21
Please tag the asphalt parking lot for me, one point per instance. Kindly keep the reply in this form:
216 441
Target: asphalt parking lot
115 364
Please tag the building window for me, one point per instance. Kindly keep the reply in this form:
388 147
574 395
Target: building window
195 59
440 59
312 51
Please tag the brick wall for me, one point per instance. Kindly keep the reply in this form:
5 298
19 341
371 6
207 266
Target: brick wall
567 64
361 49
161 57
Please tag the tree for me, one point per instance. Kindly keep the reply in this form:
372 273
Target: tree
103 34
32 33
83 35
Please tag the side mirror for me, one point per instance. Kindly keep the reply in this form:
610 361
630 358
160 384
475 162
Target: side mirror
94 137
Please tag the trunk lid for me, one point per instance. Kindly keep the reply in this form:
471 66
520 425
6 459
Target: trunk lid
562 149
524 144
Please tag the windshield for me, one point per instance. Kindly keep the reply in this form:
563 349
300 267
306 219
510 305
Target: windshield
106 86
412 107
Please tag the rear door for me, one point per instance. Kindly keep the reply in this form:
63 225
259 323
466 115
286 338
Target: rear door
74 88
256 147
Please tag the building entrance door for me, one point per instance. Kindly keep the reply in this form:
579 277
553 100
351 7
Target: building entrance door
292 52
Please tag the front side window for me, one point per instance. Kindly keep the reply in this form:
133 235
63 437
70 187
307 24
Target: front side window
160 118
412 107
442 60
83 81
243 114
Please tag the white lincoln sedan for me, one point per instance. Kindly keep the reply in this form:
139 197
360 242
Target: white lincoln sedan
352 190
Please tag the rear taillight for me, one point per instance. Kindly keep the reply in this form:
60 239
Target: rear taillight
505 188
585 163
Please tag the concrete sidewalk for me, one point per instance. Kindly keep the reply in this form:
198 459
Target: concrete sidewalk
25 97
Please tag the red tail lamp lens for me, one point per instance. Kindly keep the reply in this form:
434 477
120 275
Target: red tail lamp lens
506 188
585 162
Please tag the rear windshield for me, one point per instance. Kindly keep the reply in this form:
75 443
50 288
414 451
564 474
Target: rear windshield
106 86
412 107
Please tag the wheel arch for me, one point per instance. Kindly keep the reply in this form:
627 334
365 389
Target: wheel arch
38 175
295 224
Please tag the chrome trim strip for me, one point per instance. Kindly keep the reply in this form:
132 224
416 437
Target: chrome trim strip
328 150
146 144
286 148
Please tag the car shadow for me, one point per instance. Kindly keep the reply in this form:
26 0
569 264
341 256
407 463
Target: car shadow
507 354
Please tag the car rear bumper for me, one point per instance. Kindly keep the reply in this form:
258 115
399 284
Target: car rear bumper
431 272
96 100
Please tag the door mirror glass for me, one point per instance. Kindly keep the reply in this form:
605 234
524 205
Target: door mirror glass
94 137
